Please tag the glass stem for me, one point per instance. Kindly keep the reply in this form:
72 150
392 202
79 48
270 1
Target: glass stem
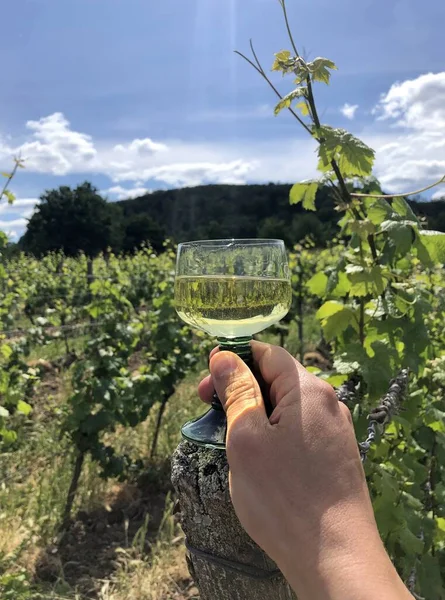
240 346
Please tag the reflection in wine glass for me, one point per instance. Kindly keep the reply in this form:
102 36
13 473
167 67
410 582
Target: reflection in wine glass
231 289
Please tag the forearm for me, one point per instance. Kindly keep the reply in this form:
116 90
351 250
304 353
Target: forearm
365 578
349 564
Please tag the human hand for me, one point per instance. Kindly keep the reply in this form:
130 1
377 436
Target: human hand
296 479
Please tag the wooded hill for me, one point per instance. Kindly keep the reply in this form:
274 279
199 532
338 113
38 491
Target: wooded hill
220 211
80 219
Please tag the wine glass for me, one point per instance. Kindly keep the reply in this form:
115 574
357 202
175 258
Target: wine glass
231 289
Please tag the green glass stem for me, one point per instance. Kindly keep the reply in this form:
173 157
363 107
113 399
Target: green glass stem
240 346
210 429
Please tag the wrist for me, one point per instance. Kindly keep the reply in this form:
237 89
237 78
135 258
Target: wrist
341 559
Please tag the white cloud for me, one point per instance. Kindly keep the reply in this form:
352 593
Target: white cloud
55 148
145 147
25 203
349 110
415 103
19 223
15 216
120 193
440 195
413 152
191 174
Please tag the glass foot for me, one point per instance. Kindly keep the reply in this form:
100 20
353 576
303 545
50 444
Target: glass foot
208 430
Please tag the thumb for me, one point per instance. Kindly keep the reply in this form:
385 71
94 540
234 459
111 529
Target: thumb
237 389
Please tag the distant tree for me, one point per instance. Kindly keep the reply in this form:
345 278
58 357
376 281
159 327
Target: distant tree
73 220
213 230
140 229
307 224
273 228
10 250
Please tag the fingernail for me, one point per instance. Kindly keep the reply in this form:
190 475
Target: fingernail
223 365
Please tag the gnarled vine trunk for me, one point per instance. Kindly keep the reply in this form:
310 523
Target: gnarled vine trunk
223 561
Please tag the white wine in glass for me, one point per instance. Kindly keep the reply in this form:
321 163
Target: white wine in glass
232 306
231 289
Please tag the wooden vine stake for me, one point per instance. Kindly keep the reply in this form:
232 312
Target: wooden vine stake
223 560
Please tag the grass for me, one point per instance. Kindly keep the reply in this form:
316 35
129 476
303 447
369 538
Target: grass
164 577
57 347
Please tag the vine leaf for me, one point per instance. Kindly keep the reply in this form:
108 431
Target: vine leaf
434 244
422 253
366 281
317 284
387 490
401 206
304 192
289 98
353 156
363 228
8 436
378 210
400 232
23 407
440 532
335 318
10 196
5 350
434 419
336 285
283 62
350 360
303 108
410 542
319 69
378 367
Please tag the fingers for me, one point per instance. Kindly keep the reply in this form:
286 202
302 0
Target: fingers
282 374
347 413
273 361
238 391
206 389
279 370
213 352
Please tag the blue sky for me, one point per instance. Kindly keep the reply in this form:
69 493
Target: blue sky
138 95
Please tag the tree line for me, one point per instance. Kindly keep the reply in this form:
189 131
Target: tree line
80 219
